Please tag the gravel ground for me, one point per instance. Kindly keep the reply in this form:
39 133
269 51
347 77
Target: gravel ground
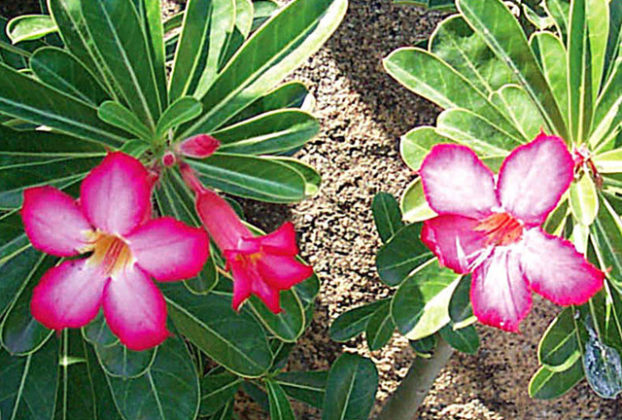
363 113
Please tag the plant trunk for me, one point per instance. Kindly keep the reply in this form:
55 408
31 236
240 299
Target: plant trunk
416 384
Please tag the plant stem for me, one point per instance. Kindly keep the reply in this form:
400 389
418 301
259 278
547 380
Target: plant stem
416 384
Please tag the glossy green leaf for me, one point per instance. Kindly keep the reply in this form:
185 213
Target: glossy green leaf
424 347
606 234
584 200
25 98
13 55
559 348
119 116
152 15
519 108
380 327
168 390
244 13
307 387
414 205
559 11
387 215
353 322
217 389
460 309
182 110
541 22
280 408
465 339
609 162
29 27
401 255
607 106
59 69
98 333
350 388
22 395
119 36
264 9
547 384
281 45
118 360
251 177
597 16
21 333
273 132
503 34
288 325
311 176
236 341
420 305
416 144
15 267
602 367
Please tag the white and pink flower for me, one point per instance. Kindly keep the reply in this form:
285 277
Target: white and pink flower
491 227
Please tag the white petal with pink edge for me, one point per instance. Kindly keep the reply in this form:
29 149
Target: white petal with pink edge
499 292
69 295
556 270
135 309
533 178
115 195
54 223
455 181
168 249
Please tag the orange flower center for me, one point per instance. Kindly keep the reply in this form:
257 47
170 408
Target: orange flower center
111 253
500 229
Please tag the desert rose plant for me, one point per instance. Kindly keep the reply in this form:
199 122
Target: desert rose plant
517 183
131 285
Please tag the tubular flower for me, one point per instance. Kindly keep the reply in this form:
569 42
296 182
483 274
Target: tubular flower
261 265
112 221
492 228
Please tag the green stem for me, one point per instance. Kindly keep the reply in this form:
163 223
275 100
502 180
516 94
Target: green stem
416 384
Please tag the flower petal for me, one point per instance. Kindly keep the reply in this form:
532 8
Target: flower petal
54 222
242 280
282 272
281 242
248 280
533 178
454 240
222 223
135 309
168 249
69 295
557 271
499 291
115 195
199 146
455 181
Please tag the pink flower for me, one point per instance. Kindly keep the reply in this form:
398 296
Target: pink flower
492 228
128 248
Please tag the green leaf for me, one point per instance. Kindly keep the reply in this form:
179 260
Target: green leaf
235 340
217 389
460 309
416 144
420 305
503 34
119 36
288 325
609 162
98 333
169 389
280 408
244 16
21 333
465 339
353 322
387 215
59 69
152 16
606 234
27 99
119 116
350 388
182 110
380 327
597 16
547 384
15 268
307 387
607 106
559 348
584 200
311 177
519 108
273 132
401 255
559 11
251 177
602 367
264 9
29 27
21 392
281 45
424 347
118 360
414 205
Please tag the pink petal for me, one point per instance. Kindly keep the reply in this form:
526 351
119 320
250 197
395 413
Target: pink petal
455 181
135 309
169 250
221 221
282 272
454 241
282 241
248 280
242 281
557 271
69 295
200 146
533 178
499 292
115 195
54 222
270 296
